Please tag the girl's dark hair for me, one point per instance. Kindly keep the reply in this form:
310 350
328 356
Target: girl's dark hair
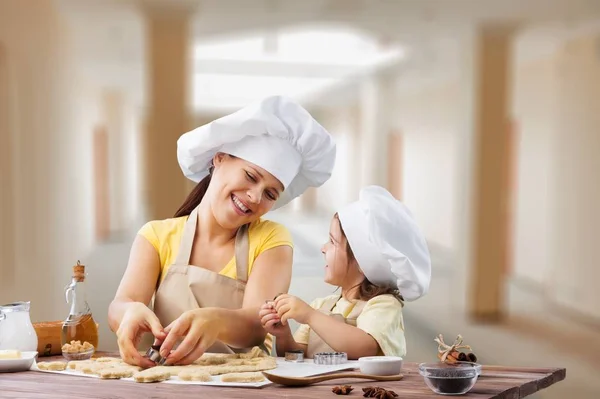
367 290
195 196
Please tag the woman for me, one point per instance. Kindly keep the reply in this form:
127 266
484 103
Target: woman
212 266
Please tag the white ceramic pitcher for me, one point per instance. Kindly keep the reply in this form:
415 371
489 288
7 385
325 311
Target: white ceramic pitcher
16 330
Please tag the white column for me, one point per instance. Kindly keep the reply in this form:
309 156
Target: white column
51 159
575 186
7 191
168 58
482 258
113 110
376 109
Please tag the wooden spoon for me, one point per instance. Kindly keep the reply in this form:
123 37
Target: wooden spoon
303 381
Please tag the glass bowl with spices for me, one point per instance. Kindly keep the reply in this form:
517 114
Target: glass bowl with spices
450 379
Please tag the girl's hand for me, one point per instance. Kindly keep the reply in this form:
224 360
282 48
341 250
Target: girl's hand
290 307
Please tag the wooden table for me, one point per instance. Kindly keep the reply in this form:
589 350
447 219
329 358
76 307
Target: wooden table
494 382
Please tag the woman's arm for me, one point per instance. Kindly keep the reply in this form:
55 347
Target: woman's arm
239 328
287 343
138 282
128 313
271 275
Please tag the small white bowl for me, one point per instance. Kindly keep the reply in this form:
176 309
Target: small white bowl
380 365
22 364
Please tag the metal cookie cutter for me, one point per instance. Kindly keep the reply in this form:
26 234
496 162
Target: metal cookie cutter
294 356
153 354
328 358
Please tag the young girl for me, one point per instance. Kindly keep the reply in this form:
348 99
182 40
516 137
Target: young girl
379 258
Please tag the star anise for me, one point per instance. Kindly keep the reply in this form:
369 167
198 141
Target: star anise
378 393
342 390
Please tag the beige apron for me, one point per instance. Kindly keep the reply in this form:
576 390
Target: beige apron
188 287
316 343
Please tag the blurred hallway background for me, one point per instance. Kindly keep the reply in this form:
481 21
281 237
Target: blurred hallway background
480 115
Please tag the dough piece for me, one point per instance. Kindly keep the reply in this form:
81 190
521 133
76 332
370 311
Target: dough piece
254 352
267 363
210 359
53 366
172 370
79 364
118 372
154 374
243 377
258 360
108 359
10 354
95 368
194 374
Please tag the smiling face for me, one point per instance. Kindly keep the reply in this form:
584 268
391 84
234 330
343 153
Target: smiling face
341 269
240 192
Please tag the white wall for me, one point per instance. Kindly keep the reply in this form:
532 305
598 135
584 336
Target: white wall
535 114
429 123
51 159
343 185
576 211
557 214
132 162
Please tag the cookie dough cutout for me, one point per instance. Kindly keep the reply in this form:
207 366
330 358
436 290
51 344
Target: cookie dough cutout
195 375
79 364
118 372
108 360
154 374
254 353
52 366
95 368
243 377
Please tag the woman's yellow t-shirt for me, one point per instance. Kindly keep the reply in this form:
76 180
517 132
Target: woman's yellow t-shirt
165 236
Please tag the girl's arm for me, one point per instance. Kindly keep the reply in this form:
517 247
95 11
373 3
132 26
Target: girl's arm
340 336
343 337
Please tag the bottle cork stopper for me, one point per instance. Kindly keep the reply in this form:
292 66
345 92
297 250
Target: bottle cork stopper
79 271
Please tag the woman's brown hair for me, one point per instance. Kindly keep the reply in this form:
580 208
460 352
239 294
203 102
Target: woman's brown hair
195 196
367 290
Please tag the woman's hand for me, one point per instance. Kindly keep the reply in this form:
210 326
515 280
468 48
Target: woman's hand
137 319
199 330
270 320
290 307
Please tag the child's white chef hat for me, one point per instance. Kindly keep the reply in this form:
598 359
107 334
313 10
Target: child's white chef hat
387 243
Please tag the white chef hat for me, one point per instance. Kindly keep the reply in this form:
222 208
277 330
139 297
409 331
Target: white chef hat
387 243
276 134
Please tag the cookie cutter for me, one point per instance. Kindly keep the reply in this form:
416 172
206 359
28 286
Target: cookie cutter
329 358
153 353
267 302
294 356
